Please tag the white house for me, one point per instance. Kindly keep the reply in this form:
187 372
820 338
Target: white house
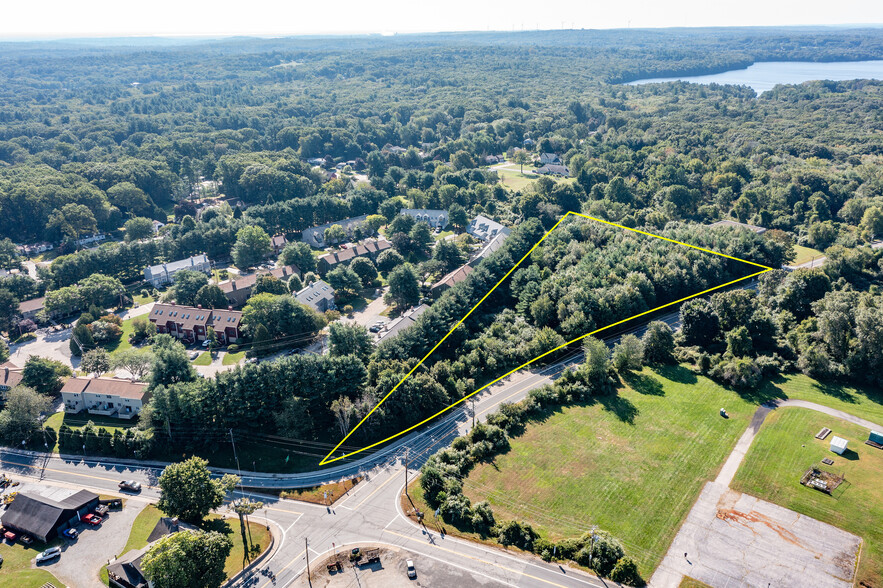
112 397
164 273
315 236
485 229
434 218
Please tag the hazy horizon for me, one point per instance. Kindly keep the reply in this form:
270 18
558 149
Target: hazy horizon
43 20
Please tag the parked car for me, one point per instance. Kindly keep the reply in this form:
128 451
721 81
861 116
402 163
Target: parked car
374 328
194 354
92 519
130 485
206 343
70 533
50 553
101 510
26 540
412 571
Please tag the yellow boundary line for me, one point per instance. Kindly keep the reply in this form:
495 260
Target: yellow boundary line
765 269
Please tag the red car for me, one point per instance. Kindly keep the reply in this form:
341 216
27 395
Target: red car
92 519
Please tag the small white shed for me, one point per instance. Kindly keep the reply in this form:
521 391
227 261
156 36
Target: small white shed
838 445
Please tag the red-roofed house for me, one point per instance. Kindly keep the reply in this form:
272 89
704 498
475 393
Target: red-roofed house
191 323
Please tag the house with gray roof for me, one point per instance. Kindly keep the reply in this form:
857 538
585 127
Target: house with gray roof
315 236
319 296
164 273
485 229
433 217
41 518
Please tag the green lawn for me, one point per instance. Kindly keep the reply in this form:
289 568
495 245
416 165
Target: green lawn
141 528
232 358
804 254
17 561
785 448
632 465
123 343
205 358
514 179
142 300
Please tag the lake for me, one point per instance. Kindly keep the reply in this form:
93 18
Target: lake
762 76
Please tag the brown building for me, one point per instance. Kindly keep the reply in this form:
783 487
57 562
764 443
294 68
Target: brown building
455 277
278 243
191 323
10 377
238 290
370 249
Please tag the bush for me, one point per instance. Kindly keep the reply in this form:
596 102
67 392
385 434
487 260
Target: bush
456 510
482 517
741 373
232 348
626 572
520 535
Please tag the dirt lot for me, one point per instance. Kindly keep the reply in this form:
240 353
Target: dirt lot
391 572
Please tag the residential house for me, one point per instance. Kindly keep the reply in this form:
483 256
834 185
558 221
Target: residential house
191 323
278 243
157 226
10 377
485 229
437 219
455 277
370 248
394 149
91 239
35 249
29 308
238 290
553 170
126 571
42 517
492 159
730 223
403 322
550 159
315 236
113 397
528 143
489 248
164 273
319 296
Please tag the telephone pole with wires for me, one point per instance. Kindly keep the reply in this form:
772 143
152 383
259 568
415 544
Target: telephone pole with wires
406 472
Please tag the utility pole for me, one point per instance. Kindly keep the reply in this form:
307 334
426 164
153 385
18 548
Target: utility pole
239 469
406 472
473 411
307 551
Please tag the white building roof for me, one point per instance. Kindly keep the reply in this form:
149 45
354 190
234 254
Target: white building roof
838 442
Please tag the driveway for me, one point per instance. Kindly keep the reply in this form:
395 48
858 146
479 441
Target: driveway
371 313
54 345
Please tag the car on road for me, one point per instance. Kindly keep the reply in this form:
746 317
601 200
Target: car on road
70 533
92 519
130 485
412 571
50 553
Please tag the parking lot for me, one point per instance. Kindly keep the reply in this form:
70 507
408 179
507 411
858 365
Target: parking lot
731 540
82 558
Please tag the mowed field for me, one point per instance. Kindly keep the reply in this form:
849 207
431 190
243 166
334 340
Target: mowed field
632 465
786 447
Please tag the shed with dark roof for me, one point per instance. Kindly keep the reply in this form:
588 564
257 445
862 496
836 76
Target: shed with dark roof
42 518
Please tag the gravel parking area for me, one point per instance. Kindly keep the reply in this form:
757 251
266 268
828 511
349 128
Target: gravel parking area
391 572
733 540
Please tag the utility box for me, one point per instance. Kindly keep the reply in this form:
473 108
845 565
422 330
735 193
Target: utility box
876 437
838 445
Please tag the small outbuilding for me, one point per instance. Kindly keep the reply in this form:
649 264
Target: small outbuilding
838 445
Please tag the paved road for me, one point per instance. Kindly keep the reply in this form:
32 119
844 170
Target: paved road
674 566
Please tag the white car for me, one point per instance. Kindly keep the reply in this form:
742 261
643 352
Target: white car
412 571
194 354
206 343
50 553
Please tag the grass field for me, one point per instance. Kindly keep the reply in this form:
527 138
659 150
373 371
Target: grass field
205 358
233 358
785 448
804 254
632 465
17 572
316 494
142 300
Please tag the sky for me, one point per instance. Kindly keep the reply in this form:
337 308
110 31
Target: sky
103 18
